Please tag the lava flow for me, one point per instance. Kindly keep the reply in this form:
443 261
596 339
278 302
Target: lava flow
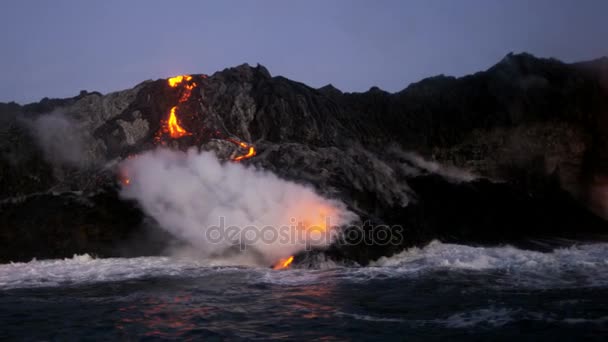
283 263
172 125
320 225
250 150
175 130
175 81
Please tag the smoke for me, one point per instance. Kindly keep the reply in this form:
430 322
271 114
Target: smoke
413 164
226 210
60 138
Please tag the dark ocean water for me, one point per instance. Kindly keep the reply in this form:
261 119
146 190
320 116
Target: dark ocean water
441 291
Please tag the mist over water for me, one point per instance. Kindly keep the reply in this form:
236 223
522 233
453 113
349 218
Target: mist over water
227 210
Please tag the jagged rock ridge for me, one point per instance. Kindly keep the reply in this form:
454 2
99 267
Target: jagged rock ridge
501 156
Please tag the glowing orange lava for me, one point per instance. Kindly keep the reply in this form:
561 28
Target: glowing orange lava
249 154
250 150
175 130
173 125
283 263
188 91
174 81
123 175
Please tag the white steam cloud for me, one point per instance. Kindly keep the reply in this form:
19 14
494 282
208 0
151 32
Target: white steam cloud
190 194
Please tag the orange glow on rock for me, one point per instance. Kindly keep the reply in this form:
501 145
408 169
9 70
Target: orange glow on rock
123 175
283 263
187 92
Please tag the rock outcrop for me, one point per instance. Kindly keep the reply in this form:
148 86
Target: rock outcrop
514 154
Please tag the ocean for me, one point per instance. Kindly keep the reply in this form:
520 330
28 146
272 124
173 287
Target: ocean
441 291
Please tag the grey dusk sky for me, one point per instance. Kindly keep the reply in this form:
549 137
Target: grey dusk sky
56 48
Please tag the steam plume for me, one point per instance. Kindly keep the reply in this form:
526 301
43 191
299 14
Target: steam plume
190 193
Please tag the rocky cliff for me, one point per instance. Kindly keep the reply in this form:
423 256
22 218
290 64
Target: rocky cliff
514 154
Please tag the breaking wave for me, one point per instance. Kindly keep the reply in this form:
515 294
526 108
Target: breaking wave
584 265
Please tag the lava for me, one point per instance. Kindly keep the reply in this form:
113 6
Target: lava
123 176
283 263
175 130
172 125
188 91
175 81
251 152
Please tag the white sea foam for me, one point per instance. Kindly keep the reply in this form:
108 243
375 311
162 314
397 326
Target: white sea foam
438 254
83 269
585 265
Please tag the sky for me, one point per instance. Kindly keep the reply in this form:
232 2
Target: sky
57 48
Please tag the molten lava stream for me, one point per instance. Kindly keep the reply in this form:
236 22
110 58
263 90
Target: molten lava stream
174 81
283 263
172 127
175 130
249 154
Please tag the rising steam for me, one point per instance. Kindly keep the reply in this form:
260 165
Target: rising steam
192 194
61 139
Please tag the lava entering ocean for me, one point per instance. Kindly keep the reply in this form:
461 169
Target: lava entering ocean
174 128
283 263
230 213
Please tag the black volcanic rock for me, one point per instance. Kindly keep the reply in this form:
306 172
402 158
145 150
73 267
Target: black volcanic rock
330 91
509 155
61 225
